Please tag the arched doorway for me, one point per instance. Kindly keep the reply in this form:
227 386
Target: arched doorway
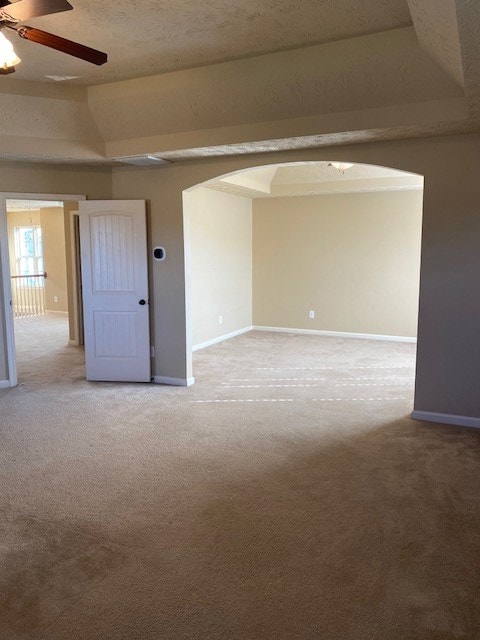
322 249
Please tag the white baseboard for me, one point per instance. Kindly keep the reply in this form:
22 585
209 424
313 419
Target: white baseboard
176 382
4 384
57 313
335 334
446 418
226 336
73 343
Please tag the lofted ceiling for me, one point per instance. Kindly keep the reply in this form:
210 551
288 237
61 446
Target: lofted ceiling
188 79
147 37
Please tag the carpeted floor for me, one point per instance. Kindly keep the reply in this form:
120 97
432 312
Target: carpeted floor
286 495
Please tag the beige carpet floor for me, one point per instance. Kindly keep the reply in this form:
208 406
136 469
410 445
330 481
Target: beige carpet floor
286 495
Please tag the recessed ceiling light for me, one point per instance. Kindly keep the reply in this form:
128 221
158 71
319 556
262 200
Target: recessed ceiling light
62 78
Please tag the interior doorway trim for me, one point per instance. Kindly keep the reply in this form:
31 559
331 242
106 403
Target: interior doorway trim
77 324
5 263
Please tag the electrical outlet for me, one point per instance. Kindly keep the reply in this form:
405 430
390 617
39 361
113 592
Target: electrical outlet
220 319
55 298
311 314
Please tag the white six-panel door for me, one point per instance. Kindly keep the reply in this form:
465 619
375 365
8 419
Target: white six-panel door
115 290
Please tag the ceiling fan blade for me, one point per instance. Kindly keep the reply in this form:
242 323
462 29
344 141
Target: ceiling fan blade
26 9
61 44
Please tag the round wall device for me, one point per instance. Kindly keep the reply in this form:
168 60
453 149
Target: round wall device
159 254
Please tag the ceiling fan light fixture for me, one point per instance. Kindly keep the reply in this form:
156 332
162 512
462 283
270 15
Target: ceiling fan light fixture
8 57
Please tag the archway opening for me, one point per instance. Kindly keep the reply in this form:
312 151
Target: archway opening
323 250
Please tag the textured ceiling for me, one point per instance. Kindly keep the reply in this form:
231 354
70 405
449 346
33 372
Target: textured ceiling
375 77
313 178
31 205
349 75
437 31
146 37
322 172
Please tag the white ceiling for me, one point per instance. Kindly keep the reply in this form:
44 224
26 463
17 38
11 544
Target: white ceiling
146 37
313 178
322 172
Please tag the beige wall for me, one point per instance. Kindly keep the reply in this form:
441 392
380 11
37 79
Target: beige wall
448 360
54 258
220 233
49 179
354 259
448 363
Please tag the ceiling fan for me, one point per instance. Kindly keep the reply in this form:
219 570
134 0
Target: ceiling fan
14 13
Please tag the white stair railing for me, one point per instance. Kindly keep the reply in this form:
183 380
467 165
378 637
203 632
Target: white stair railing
28 295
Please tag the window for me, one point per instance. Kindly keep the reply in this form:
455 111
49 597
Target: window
28 253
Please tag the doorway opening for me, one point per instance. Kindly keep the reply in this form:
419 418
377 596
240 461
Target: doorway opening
306 249
41 282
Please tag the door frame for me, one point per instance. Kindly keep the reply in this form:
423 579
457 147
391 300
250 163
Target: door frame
76 282
5 264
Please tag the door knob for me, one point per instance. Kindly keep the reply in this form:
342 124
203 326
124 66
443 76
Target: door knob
142 302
